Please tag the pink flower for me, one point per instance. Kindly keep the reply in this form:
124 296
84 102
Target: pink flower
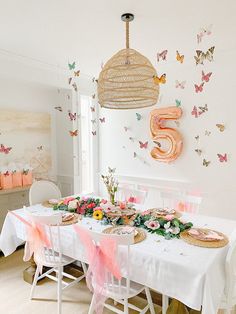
169 217
81 210
97 208
122 205
67 200
152 224
103 201
84 198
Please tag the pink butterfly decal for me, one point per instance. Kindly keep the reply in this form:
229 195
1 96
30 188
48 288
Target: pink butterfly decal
5 150
143 145
206 77
162 55
72 116
199 37
94 133
222 158
194 112
102 120
92 109
198 88
180 84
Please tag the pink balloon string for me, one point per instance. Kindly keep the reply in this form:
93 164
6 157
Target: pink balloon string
36 241
102 260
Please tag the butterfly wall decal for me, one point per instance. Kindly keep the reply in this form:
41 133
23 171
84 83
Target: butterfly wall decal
206 77
93 121
77 73
221 127
94 133
159 80
180 84
198 88
71 65
4 149
207 133
138 116
197 138
69 80
126 128
157 143
135 154
198 151
162 55
111 170
59 108
194 112
143 145
203 32
178 102
74 85
201 56
71 115
131 139
102 120
177 123
93 96
222 158
39 148
179 57
73 133
202 109
205 162
68 96
92 109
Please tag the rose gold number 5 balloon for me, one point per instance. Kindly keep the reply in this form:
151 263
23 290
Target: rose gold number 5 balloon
160 132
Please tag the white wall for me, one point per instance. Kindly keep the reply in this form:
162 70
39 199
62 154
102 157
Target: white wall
216 183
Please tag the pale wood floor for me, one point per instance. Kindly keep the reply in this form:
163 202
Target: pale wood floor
14 292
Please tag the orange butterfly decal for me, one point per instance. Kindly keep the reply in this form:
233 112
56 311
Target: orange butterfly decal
73 133
179 57
77 73
159 80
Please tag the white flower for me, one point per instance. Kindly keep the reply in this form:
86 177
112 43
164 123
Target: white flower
175 230
73 204
152 224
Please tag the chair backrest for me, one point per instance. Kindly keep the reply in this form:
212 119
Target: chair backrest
50 223
230 270
131 195
181 201
123 255
41 191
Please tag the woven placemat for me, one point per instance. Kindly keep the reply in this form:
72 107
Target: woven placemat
72 221
157 215
138 238
207 244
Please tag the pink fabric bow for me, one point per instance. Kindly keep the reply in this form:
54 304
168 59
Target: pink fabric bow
35 242
101 259
184 207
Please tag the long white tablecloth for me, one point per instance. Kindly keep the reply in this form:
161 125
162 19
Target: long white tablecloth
191 274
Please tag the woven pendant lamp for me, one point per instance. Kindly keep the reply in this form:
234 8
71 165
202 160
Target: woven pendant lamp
126 80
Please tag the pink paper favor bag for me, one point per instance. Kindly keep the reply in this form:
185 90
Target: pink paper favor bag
16 179
6 180
27 177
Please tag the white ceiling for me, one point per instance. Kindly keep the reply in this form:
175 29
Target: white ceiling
55 31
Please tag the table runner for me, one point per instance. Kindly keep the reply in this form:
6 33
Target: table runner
190 274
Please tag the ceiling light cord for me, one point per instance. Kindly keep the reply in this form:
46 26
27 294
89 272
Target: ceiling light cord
127 34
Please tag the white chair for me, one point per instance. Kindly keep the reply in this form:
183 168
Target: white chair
181 201
131 195
53 258
41 191
229 299
121 290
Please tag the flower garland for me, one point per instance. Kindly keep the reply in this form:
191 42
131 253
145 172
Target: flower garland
167 226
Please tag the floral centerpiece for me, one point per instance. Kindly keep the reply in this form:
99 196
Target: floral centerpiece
168 226
111 184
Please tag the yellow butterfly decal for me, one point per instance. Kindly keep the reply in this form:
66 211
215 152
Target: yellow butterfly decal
221 127
77 73
205 163
179 57
159 80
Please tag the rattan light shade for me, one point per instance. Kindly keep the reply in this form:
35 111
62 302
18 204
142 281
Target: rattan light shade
126 80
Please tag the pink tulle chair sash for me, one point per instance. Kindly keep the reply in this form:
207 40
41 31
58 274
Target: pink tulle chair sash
102 260
36 240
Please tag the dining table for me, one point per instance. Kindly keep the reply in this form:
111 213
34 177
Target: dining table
191 274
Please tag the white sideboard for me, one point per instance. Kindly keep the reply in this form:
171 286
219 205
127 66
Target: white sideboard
12 199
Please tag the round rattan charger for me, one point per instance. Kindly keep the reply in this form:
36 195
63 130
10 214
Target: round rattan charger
207 244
